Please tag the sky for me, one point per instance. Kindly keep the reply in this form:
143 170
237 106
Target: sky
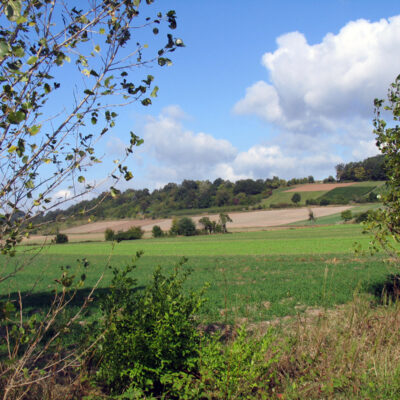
262 88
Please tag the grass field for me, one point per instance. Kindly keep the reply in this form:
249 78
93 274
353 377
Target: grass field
254 275
337 218
359 189
281 195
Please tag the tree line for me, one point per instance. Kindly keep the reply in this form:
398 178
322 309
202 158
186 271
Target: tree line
188 195
370 169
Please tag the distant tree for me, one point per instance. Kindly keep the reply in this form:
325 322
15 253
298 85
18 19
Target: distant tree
61 238
346 215
330 179
186 227
311 216
207 224
109 234
157 231
224 219
296 198
311 179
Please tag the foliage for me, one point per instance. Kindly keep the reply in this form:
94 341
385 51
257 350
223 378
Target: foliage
244 367
342 195
157 231
385 222
207 224
346 215
186 227
38 342
370 169
296 198
61 238
134 233
149 335
43 47
109 235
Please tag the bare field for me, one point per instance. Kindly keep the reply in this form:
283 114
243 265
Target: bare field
316 187
240 220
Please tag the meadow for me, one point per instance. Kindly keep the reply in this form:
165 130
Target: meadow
252 276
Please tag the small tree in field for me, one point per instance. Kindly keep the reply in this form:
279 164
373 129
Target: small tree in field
157 231
296 198
346 215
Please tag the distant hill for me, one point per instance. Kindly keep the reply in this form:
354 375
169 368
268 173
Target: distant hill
194 197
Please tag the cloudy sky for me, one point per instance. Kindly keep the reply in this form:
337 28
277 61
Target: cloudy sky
264 88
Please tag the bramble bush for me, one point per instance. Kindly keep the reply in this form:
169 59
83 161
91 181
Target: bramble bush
109 235
61 238
134 233
149 335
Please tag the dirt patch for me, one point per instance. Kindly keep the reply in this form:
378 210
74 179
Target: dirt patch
318 187
252 220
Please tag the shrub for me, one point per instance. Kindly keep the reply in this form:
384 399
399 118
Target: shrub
281 205
61 238
362 217
157 231
186 227
324 202
346 215
296 198
134 233
109 234
312 202
149 335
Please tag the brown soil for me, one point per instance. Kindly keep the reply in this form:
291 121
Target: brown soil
252 220
317 187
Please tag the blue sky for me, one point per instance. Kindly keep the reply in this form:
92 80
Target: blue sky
262 88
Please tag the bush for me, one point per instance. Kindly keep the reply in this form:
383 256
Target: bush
281 205
296 198
186 227
362 217
134 233
346 215
312 202
61 238
157 231
324 202
109 234
149 335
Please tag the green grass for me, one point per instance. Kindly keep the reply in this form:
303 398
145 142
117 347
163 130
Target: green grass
254 275
282 195
336 218
347 193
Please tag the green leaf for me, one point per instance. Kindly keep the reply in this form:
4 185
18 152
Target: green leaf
16 117
146 102
21 20
97 48
34 129
102 31
94 73
81 179
136 3
154 92
18 51
12 149
114 192
89 92
4 48
31 60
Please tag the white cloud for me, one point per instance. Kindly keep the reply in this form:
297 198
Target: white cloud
63 194
365 149
323 88
186 152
